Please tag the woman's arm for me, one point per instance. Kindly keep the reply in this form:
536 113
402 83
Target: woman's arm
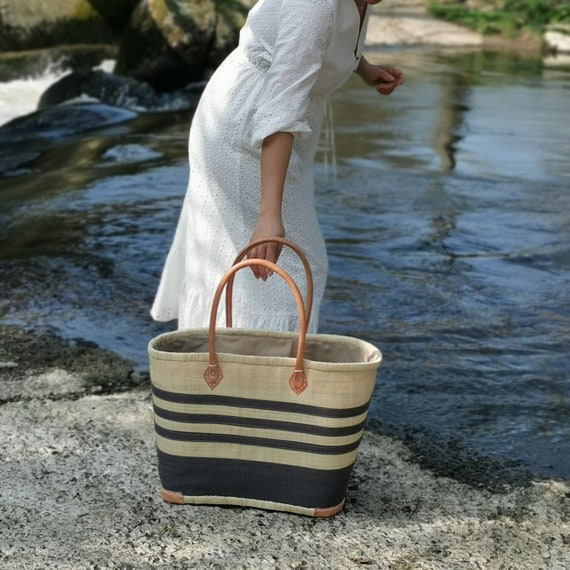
384 78
305 29
275 156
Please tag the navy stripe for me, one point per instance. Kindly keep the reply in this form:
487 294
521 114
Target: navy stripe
257 442
258 423
250 403
299 486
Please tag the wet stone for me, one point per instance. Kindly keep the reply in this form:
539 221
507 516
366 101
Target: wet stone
37 364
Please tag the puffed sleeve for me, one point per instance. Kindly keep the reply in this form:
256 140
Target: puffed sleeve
305 28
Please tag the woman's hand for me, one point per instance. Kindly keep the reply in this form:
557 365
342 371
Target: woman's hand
268 226
384 78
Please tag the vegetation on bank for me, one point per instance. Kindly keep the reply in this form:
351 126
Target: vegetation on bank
506 17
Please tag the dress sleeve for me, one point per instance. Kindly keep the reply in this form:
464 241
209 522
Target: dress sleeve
305 28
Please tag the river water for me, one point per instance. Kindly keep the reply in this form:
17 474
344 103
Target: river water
447 218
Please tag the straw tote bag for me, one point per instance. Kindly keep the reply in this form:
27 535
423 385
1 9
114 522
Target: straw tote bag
259 418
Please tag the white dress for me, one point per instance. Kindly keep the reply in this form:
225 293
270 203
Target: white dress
292 54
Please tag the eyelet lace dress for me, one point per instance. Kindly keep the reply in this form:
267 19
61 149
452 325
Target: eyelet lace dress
292 55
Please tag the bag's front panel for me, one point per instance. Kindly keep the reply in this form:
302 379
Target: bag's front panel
252 437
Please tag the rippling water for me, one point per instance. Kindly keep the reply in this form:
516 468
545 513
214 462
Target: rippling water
447 223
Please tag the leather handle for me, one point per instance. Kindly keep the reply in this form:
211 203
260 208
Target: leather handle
283 241
213 374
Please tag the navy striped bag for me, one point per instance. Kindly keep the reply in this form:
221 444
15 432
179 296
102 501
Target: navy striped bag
257 418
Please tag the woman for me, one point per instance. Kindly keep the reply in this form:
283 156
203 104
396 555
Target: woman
252 144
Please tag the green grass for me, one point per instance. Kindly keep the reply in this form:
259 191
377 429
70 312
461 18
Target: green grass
509 17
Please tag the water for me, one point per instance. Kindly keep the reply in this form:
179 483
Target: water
19 97
447 225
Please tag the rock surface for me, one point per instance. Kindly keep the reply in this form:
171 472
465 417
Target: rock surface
117 91
80 492
36 25
408 23
170 44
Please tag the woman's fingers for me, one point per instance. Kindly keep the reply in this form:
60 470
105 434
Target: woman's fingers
256 254
396 74
269 252
385 75
386 88
390 78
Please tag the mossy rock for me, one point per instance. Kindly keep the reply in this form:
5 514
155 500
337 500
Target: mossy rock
35 25
170 43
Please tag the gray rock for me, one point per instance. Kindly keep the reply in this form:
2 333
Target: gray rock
62 121
124 92
105 87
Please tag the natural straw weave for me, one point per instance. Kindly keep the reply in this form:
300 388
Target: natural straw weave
257 418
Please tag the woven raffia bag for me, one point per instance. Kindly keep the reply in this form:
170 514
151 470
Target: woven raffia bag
258 418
